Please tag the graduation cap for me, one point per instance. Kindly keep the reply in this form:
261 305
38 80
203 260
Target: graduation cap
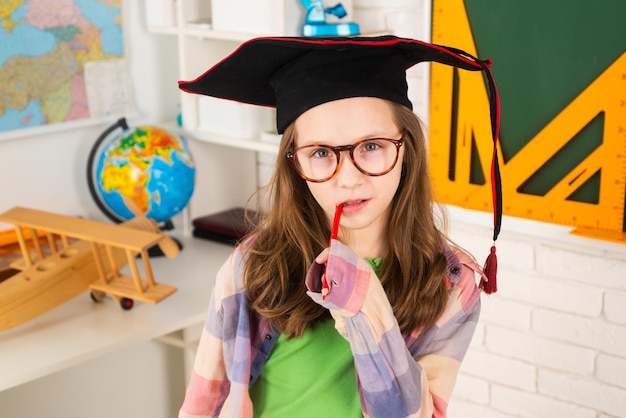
294 74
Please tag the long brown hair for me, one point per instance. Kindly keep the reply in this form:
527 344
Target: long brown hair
295 230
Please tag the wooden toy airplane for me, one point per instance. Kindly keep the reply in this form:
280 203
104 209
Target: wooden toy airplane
83 254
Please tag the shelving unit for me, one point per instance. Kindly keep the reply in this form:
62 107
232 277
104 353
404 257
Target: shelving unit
210 30
225 137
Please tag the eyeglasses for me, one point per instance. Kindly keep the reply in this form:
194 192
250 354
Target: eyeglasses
373 157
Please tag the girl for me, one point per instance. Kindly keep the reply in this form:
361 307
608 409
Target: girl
375 323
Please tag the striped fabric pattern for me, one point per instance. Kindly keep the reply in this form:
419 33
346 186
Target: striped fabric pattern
398 375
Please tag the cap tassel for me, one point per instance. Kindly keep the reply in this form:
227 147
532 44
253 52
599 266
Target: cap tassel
490 270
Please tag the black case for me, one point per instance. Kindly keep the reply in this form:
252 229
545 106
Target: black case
228 226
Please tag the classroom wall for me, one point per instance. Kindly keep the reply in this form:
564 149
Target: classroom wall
552 341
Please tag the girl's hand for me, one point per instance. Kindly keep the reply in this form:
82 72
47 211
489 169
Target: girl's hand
322 258
316 271
340 325
347 276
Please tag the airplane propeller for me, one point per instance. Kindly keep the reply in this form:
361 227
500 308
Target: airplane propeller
168 246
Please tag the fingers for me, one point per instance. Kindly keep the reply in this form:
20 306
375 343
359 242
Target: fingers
322 258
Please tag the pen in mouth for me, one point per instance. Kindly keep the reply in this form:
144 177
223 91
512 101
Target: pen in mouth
335 230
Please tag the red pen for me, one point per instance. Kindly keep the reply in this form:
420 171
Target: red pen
333 235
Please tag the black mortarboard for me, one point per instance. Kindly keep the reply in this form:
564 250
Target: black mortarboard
294 74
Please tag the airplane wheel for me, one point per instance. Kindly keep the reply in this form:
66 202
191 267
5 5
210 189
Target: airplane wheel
126 303
96 296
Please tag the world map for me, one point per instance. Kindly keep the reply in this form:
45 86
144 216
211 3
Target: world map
45 48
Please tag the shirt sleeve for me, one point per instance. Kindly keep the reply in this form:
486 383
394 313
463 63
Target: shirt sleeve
399 376
217 387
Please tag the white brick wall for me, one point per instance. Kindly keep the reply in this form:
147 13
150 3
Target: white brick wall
552 342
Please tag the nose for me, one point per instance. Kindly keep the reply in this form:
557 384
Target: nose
348 175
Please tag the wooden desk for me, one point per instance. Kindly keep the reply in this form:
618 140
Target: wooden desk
80 329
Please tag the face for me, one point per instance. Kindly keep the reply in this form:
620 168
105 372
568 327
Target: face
366 199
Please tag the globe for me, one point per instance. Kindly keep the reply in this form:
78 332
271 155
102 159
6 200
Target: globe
148 164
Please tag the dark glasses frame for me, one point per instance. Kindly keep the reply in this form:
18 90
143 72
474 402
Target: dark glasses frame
338 150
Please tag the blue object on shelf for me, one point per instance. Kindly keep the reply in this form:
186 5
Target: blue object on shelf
315 21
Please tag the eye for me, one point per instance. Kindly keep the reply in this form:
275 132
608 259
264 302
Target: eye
370 146
320 152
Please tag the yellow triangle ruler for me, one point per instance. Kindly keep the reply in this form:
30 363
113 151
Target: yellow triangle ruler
606 96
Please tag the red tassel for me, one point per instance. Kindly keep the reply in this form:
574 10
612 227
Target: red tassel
491 270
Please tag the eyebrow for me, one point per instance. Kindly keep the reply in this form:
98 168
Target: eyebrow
364 138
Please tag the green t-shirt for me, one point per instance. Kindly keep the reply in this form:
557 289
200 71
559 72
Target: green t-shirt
309 377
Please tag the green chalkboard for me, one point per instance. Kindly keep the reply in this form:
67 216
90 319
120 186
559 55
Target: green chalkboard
546 52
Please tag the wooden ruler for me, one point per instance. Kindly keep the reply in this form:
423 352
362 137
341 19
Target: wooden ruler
463 123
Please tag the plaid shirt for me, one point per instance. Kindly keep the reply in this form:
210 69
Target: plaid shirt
398 375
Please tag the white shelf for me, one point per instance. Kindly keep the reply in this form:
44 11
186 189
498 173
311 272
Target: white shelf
250 144
163 30
220 35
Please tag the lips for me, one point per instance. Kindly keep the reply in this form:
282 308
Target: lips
350 206
352 202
